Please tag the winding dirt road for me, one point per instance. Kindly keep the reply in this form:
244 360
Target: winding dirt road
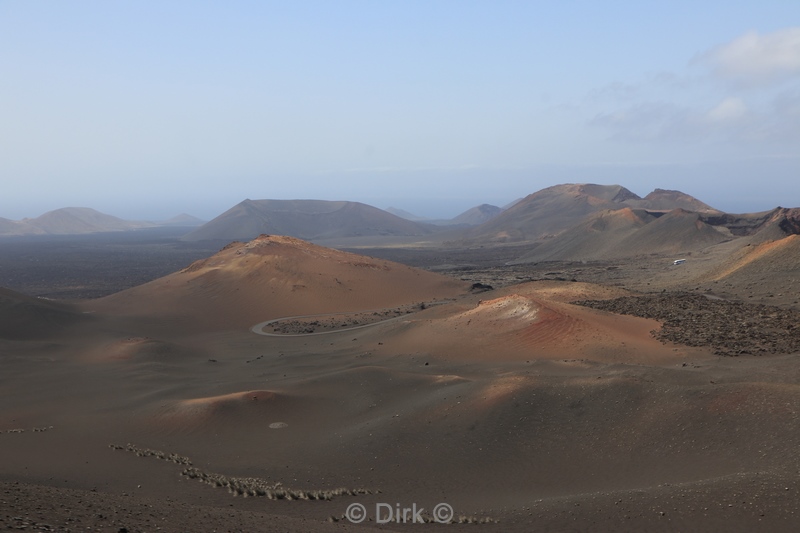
258 329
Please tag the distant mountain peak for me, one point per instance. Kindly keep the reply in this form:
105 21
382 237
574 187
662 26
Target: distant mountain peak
624 195
666 199
402 213
477 215
551 211
70 221
305 219
184 219
611 193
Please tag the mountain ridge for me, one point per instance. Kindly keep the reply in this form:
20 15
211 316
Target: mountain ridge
304 219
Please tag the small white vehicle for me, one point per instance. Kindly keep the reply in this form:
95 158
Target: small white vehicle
679 261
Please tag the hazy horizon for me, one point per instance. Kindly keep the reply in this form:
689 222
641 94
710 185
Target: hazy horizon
435 209
146 110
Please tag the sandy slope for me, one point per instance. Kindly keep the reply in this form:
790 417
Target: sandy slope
769 258
595 238
754 269
271 277
678 231
627 233
23 317
529 322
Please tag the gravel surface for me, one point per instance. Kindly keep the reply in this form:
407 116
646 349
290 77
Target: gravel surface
730 328
321 324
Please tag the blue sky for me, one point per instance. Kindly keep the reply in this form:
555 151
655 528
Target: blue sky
146 109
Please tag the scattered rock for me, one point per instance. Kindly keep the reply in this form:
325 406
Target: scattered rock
731 328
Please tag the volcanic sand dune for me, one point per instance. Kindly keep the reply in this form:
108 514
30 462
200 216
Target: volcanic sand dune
254 408
271 277
138 349
548 430
23 317
526 322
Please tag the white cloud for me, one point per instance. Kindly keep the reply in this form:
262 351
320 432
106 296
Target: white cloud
755 59
650 121
732 120
762 104
730 109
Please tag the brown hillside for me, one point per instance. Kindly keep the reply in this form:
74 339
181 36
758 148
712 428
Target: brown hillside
779 223
764 226
766 260
529 321
627 233
675 232
667 200
272 277
550 211
591 239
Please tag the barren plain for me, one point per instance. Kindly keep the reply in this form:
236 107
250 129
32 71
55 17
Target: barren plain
145 399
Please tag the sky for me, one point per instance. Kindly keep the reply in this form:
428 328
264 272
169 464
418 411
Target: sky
146 109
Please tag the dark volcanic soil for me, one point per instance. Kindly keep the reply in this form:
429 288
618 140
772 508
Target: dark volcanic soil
731 328
327 323
43 508
95 265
